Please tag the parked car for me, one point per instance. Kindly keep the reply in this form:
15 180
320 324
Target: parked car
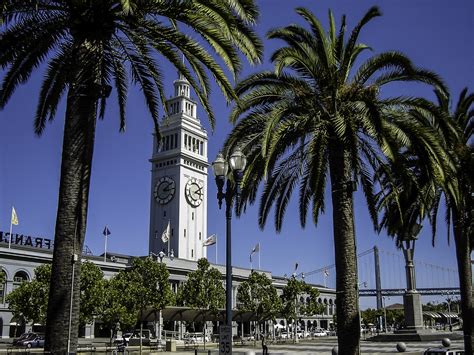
25 336
36 342
124 339
320 333
443 351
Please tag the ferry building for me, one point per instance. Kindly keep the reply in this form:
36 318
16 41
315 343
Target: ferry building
178 203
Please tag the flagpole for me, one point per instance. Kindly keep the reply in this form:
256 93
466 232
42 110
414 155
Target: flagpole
105 247
259 258
168 232
10 239
216 249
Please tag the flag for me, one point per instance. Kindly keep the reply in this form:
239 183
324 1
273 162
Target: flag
296 266
211 240
326 272
256 248
14 217
165 236
106 231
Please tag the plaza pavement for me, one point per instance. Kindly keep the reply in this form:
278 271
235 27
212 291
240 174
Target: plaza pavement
321 346
324 347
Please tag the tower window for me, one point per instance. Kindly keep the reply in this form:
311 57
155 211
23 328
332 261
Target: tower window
199 235
192 253
185 233
164 213
192 216
172 231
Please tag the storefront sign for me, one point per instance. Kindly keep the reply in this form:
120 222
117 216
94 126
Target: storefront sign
26 240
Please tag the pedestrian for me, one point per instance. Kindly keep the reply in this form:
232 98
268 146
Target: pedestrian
264 345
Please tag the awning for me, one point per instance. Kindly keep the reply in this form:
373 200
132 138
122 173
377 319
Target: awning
430 314
449 315
196 315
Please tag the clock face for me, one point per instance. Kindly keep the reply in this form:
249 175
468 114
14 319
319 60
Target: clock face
194 192
164 190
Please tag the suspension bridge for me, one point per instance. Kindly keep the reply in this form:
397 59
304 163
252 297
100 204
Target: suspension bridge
382 273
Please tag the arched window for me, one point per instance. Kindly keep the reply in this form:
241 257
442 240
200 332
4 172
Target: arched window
3 286
19 278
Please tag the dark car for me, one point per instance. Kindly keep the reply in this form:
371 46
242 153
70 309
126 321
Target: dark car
26 336
36 342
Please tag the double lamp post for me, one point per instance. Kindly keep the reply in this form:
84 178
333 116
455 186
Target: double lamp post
220 166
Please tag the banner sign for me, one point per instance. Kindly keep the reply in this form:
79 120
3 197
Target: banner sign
26 240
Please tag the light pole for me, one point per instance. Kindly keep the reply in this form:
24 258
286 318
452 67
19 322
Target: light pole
384 314
160 256
448 301
237 162
361 284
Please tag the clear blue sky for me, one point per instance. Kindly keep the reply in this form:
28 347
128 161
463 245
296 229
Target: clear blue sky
434 34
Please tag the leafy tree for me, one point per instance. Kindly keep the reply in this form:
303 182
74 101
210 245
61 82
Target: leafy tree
117 309
371 315
258 295
89 46
28 301
293 308
203 288
317 119
92 291
148 287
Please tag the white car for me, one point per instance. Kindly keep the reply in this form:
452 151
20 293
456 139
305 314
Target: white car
320 333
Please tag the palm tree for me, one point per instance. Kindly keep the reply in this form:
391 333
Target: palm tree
318 117
89 46
460 202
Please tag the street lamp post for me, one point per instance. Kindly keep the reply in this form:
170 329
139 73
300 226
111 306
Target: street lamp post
237 164
159 256
411 298
384 313
448 301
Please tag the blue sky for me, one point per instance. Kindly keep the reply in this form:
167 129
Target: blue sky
436 35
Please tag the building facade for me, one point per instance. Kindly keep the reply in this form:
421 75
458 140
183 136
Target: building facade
19 262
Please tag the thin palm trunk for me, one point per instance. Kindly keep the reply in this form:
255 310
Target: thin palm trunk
463 250
78 143
347 310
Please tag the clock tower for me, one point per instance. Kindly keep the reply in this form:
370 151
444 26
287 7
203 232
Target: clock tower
179 179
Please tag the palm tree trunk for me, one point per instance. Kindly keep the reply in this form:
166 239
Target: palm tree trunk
347 305
463 250
62 322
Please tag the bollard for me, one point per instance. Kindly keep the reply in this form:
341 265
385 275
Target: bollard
401 347
446 342
335 351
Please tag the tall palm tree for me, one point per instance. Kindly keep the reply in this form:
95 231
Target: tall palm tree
318 118
90 46
459 203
